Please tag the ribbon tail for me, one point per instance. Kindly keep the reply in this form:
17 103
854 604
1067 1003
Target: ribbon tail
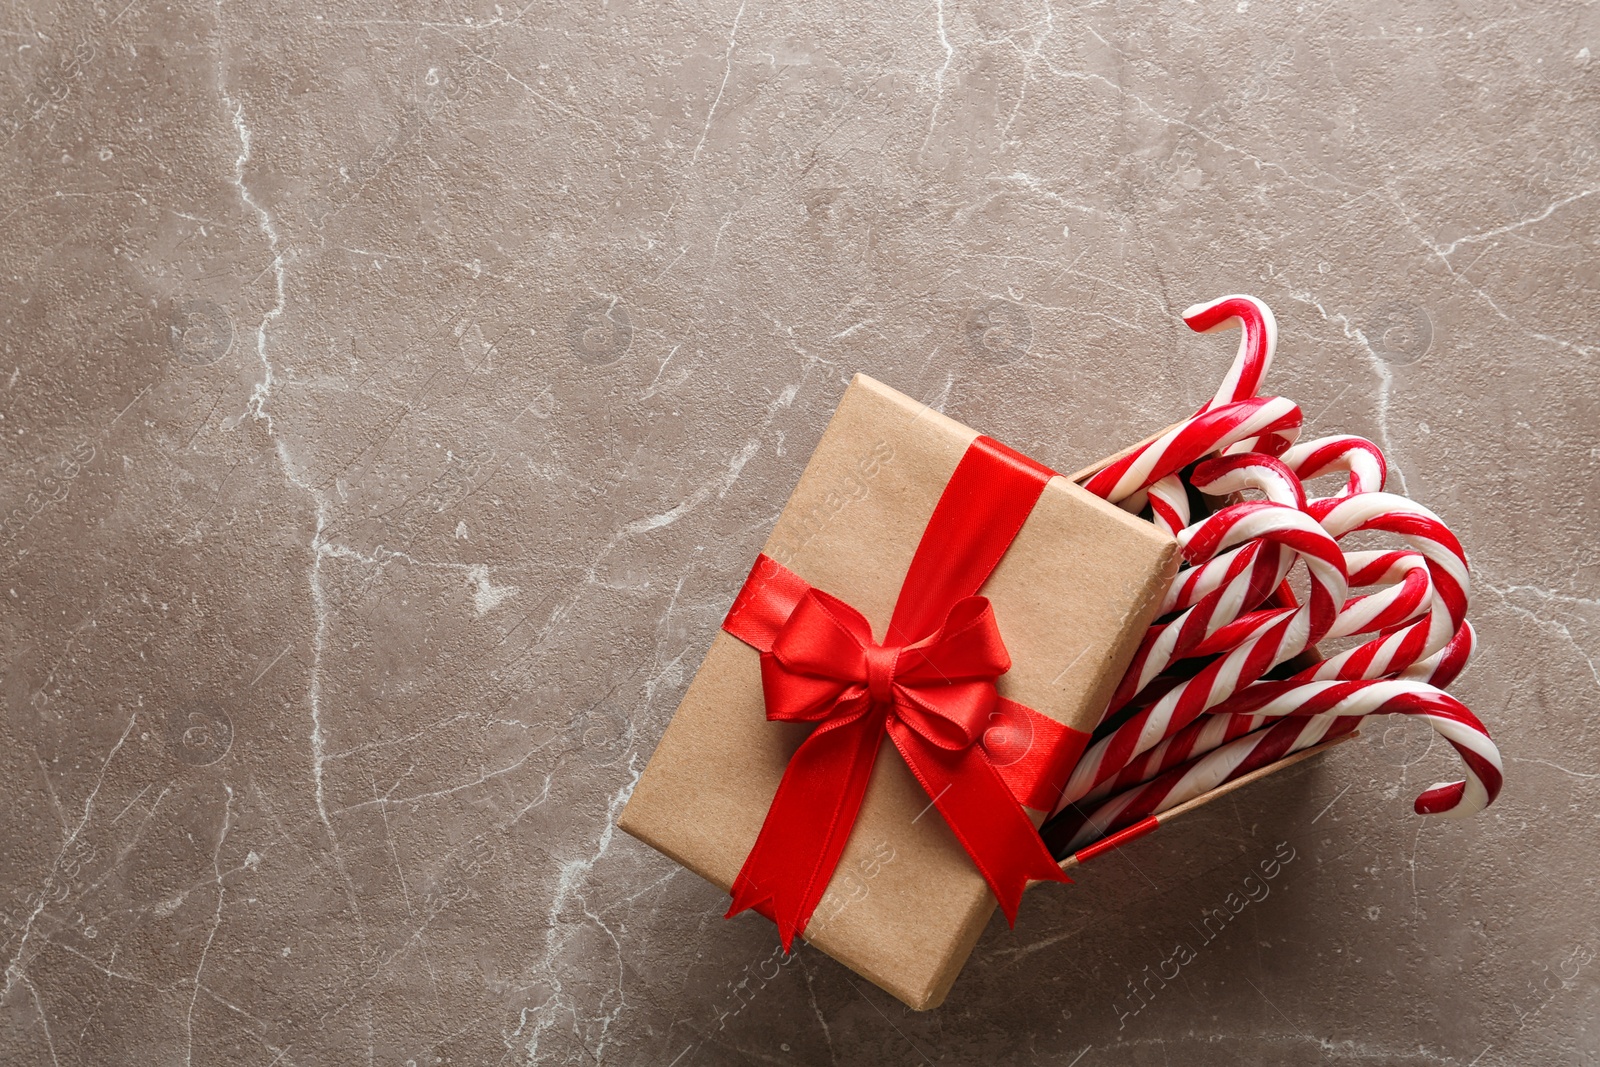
984 815
808 824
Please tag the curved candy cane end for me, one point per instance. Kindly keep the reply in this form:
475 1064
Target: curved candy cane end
1221 475
1255 317
1443 798
1221 313
1259 338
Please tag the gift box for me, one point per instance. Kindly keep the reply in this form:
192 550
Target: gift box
1071 596
930 588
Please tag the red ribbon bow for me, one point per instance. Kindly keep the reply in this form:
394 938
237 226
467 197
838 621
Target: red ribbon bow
979 756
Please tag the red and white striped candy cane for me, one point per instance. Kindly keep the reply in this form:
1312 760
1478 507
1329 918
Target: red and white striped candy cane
1325 711
1292 734
1235 473
1438 671
1193 584
1169 504
1218 680
1250 575
1272 423
1220 476
1394 651
1449 718
1260 337
1206 733
1419 614
1190 439
1342 452
1195 777
1238 471
1409 593
1447 570
1214 730
1441 668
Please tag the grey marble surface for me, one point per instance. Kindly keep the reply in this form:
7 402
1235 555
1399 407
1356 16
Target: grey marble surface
394 397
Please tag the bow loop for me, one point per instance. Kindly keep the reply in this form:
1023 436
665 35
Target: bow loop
794 697
824 638
967 647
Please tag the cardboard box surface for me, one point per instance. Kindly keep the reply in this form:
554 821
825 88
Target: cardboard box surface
1073 597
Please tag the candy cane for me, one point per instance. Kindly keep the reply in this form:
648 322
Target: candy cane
1193 584
1409 593
1236 472
1215 730
1426 532
1219 679
1441 668
1198 776
1206 733
1235 564
1342 452
1230 593
1329 710
1272 423
1244 377
1250 577
1250 470
1449 718
1447 569
1392 652
1169 504
1260 337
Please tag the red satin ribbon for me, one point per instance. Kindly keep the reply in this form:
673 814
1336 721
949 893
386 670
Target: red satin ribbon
929 687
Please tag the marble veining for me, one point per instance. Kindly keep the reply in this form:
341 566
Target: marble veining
394 397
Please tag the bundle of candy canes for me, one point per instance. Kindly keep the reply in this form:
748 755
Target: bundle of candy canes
1227 680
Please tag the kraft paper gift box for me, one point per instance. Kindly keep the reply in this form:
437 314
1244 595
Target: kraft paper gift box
1072 597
